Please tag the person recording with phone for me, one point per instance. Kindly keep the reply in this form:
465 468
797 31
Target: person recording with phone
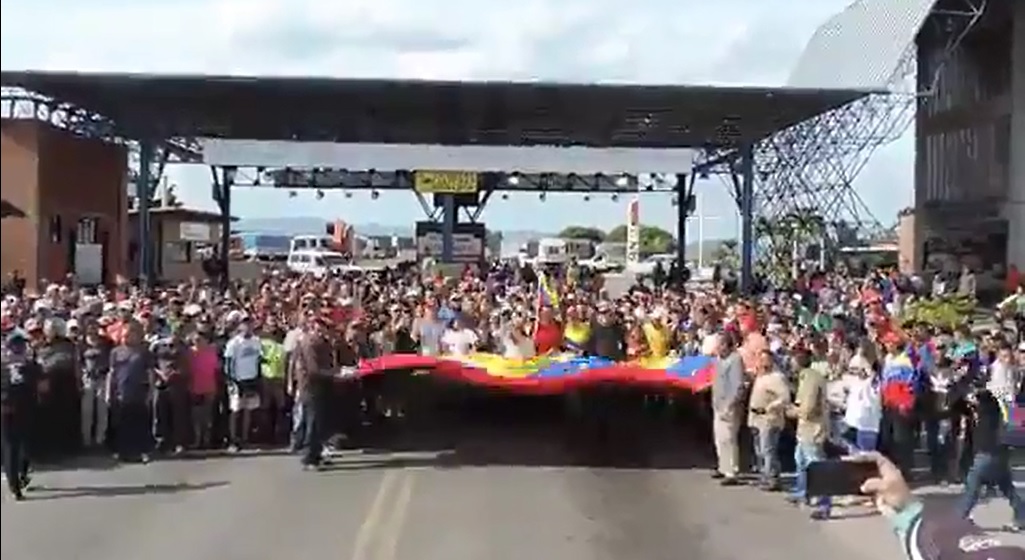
929 532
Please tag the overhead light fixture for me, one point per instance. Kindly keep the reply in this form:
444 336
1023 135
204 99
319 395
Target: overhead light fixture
615 197
320 194
505 196
513 179
622 181
587 198
348 194
542 197
374 195
292 194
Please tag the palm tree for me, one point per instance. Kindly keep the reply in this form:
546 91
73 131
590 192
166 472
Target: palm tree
786 236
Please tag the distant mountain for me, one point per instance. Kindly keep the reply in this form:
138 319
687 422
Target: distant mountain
306 225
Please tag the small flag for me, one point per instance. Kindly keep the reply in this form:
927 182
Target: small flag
546 294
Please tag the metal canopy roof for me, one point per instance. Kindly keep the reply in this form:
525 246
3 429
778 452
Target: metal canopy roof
432 112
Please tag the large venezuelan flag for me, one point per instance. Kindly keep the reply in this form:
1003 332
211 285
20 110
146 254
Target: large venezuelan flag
554 373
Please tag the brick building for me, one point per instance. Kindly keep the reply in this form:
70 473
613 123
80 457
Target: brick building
70 192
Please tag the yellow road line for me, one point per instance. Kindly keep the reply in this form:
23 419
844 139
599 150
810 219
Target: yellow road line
379 534
391 531
361 548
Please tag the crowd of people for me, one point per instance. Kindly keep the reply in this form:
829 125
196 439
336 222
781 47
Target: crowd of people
167 369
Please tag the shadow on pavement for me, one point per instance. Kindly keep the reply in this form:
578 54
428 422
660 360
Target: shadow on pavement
86 462
244 453
535 432
40 493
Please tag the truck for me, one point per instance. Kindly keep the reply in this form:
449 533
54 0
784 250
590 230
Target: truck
601 263
646 267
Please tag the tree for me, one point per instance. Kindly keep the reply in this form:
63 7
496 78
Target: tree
653 239
616 235
728 255
583 232
788 237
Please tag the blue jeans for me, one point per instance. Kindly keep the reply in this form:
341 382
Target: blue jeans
314 421
865 441
766 442
995 469
804 455
300 432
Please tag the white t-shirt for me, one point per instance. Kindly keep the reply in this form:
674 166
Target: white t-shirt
244 354
1003 381
519 350
460 342
864 405
710 345
292 339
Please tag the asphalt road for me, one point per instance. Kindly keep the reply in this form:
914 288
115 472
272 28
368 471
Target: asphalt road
617 284
476 495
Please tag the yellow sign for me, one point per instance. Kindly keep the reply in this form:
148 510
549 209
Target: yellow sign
445 182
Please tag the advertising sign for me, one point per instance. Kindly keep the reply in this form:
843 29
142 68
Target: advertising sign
445 182
633 231
468 242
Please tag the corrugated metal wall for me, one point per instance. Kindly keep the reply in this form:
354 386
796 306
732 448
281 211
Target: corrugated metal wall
963 126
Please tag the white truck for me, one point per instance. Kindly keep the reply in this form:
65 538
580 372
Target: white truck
550 251
601 264
646 267
320 263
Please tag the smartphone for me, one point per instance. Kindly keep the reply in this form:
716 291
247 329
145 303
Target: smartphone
836 477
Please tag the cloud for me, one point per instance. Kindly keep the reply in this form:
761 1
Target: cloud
642 41
729 41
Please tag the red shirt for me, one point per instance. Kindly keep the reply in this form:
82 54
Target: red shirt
548 337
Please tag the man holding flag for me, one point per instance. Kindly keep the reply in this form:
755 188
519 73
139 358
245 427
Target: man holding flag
547 329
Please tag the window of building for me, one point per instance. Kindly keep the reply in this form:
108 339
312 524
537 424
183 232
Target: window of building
87 232
178 252
55 227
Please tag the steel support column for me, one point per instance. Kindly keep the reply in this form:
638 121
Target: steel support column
683 191
143 194
746 204
224 203
449 218
1014 205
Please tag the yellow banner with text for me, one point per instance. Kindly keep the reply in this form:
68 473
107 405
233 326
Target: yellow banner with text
445 182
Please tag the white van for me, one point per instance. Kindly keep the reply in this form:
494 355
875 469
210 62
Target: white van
320 263
553 251
311 243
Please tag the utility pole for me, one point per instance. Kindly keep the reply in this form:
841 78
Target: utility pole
700 217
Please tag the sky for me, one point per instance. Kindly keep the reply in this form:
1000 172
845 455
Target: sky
725 42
